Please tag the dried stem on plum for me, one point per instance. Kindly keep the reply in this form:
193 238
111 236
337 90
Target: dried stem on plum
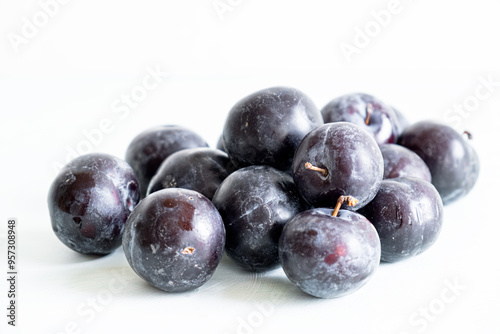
188 250
468 134
369 111
310 166
349 200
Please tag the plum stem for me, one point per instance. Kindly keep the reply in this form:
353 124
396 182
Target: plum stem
351 201
369 111
310 166
468 134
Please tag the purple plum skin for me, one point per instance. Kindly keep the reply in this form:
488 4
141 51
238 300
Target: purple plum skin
220 144
201 169
452 161
408 215
327 256
353 160
401 162
174 239
383 123
266 127
90 200
148 149
255 203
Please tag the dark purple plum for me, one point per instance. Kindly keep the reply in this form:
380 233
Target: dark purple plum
174 239
408 215
338 159
401 162
148 149
329 254
255 203
267 126
366 111
201 169
90 200
453 162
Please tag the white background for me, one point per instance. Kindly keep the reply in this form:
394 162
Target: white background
71 73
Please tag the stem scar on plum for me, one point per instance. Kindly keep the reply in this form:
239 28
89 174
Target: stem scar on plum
369 111
310 166
349 200
188 250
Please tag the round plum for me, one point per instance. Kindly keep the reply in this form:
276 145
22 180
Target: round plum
452 161
329 253
408 215
174 239
338 159
255 203
148 149
366 111
90 200
267 126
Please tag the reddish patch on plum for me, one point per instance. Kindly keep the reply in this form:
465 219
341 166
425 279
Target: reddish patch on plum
340 251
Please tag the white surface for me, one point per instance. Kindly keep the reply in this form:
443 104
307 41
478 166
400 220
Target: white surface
71 75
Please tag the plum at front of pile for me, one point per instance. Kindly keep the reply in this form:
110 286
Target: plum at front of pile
174 239
255 203
329 256
90 201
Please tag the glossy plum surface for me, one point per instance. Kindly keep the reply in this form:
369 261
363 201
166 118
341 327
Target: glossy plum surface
255 203
354 108
408 215
401 162
327 256
89 202
148 149
174 239
267 126
452 161
200 169
350 156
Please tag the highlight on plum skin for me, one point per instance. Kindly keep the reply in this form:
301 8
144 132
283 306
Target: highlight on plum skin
367 111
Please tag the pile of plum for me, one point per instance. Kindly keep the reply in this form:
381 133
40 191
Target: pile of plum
325 194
